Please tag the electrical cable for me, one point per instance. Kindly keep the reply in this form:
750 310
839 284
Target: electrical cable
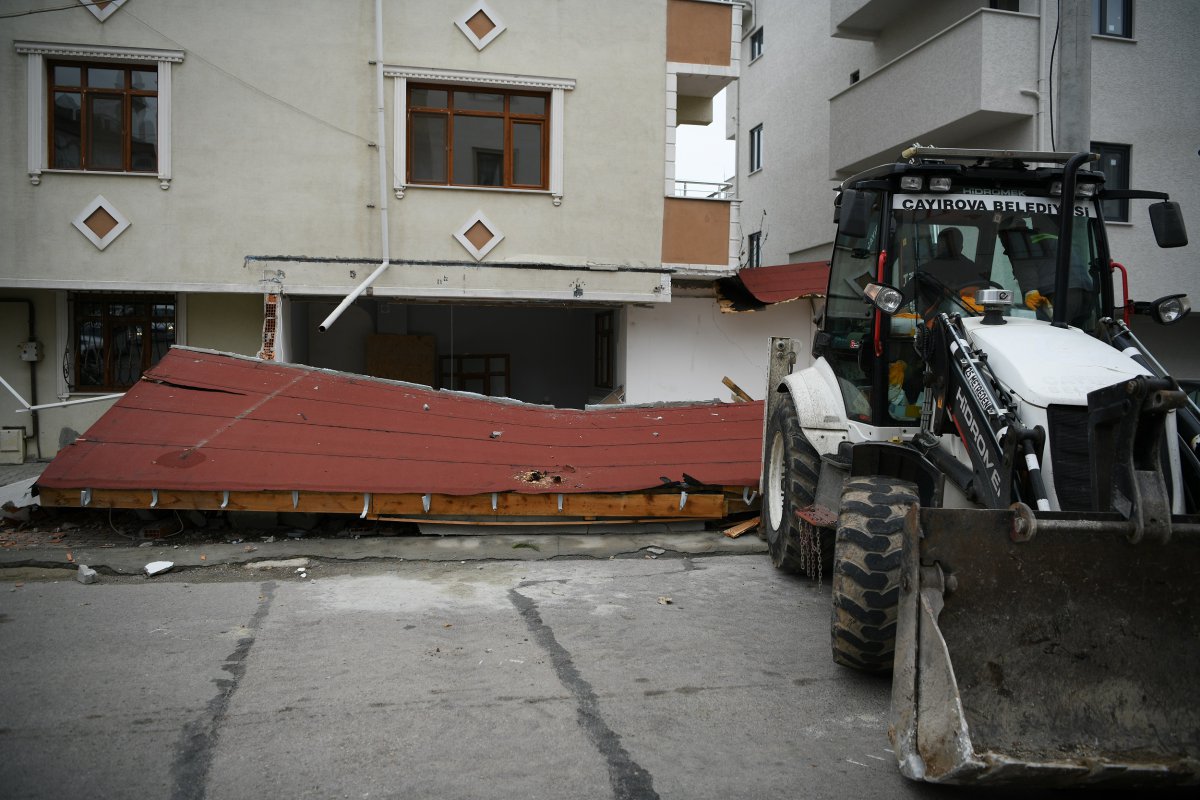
1050 73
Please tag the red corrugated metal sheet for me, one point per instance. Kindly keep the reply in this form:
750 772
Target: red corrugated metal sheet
784 282
203 421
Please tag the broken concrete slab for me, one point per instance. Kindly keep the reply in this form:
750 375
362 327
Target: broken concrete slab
158 567
498 547
86 575
287 563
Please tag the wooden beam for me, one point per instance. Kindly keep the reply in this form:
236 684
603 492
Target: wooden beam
586 507
741 527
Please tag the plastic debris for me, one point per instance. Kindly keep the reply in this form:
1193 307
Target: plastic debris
158 567
664 600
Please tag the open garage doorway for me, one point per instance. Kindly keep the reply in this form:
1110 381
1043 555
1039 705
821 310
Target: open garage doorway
565 357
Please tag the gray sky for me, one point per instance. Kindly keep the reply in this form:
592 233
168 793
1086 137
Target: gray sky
703 153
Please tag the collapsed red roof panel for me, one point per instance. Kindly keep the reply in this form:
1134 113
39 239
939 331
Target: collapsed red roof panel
205 421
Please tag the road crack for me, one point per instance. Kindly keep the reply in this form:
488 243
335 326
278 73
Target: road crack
629 780
197 742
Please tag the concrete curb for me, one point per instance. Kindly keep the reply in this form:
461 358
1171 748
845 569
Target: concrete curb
502 547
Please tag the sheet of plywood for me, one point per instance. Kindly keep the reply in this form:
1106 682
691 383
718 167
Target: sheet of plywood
401 358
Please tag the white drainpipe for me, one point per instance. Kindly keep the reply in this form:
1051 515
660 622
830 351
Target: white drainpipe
380 139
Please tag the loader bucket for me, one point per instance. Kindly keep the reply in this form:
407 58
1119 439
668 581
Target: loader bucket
1069 658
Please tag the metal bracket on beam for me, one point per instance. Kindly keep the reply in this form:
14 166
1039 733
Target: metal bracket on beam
295 498
560 504
493 501
224 498
682 500
748 495
85 498
154 498
366 505
425 499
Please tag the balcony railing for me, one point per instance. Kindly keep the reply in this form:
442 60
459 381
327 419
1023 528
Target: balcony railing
704 189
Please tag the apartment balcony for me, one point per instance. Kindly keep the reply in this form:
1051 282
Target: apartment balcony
865 19
699 233
703 51
953 90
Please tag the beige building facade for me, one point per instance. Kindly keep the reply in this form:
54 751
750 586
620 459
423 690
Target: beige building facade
224 174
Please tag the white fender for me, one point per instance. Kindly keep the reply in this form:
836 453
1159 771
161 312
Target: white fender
819 404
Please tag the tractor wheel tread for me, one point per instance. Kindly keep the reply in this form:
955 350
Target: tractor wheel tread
801 466
866 571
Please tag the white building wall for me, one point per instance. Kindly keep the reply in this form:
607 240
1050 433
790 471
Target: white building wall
682 351
787 91
1143 95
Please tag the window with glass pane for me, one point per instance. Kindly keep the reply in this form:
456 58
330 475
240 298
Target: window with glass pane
118 337
487 374
756 143
1113 18
756 44
1114 163
604 360
472 137
103 117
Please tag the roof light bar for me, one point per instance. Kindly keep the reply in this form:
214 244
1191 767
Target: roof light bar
964 154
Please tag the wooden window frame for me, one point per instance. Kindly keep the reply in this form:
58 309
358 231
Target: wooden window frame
105 322
603 353
86 94
452 375
509 118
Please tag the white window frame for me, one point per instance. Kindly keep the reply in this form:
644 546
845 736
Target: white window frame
38 148
756 44
756 148
558 87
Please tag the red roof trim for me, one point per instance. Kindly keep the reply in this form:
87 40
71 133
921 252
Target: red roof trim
778 284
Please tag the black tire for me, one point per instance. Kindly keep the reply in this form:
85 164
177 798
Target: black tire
866 571
790 470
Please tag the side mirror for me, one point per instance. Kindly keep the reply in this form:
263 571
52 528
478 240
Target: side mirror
854 214
1167 221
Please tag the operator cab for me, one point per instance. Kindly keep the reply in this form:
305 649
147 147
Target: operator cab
939 232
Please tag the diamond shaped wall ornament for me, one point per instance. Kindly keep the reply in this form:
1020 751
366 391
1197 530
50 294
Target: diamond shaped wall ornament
102 9
479 235
481 24
101 222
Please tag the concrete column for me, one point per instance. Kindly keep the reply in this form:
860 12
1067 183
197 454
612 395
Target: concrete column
1073 102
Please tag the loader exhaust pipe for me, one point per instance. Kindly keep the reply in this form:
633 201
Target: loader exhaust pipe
1066 219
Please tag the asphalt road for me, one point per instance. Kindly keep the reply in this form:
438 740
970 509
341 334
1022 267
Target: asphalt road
628 678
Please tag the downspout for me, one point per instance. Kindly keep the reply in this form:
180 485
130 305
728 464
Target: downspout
36 436
380 139
1038 93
